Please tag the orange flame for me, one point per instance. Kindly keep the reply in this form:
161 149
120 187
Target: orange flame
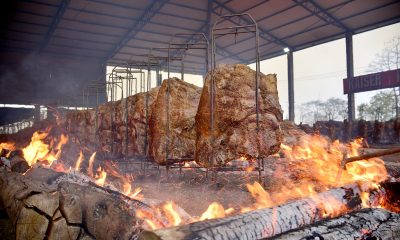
79 161
101 177
90 168
7 146
37 150
214 210
63 140
317 164
172 214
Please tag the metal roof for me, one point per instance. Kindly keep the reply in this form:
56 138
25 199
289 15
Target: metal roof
123 30
51 49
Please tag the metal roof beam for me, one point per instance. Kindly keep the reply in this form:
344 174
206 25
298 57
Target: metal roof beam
206 27
137 27
56 19
321 13
268 36
283 25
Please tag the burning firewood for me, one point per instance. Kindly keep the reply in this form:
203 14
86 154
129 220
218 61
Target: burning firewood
269 222
235 132
177 129
364 224
47 204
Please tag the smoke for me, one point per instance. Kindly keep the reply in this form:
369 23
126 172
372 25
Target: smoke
45 79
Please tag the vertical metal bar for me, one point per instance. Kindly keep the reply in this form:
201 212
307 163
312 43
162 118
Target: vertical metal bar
182 70
257 76
350 73
290 85
158 76
36 115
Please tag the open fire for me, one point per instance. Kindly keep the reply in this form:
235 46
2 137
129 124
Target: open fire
315 162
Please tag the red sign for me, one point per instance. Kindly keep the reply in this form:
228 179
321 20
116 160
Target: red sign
372 81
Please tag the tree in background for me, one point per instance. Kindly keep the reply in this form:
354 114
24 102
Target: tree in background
331 109
389 59
381 107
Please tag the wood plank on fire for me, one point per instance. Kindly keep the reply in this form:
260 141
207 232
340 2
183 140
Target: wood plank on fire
364 224
269 222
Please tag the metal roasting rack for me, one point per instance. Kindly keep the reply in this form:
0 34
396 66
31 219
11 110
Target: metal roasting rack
131 84
196 44
234 30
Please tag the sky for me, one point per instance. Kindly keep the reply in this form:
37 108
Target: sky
319 70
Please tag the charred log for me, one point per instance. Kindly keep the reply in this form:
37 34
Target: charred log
268 222
364 224
46 204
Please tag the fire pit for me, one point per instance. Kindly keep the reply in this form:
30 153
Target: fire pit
154 174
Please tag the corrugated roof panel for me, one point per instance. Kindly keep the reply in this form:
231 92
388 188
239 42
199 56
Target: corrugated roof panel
126 3
372 17
101 19
314 35
106 8
26 17
27 27
83 44
293 14
91 27
74 51
84 35
37 8
269 8
302 26
241 6
185 11
18 44
176 22
197 5
98 25
22 36
358 6
327 4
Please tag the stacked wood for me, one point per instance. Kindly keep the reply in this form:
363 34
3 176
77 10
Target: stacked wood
44 204
235 132
172 127
270 222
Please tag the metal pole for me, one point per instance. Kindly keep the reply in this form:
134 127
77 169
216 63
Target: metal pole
350 73
290 85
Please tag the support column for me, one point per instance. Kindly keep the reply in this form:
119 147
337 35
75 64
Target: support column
158 76
36 113
351 110
290 85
